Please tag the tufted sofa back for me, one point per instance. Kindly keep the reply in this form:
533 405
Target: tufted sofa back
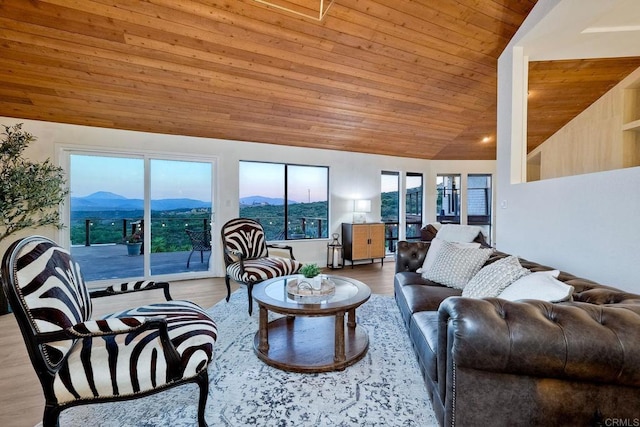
410 256
585 290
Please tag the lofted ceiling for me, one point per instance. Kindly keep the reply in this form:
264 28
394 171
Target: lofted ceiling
402 78
560 90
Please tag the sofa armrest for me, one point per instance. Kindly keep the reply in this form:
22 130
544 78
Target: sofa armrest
410 255
575 341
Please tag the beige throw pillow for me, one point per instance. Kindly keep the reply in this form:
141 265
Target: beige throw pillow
494 278
434 248
454 266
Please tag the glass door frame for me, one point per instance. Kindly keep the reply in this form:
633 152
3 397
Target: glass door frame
64 152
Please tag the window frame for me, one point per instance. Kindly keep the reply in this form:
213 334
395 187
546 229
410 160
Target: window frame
63 157
456 195
392 228
419 204
487 223
287 235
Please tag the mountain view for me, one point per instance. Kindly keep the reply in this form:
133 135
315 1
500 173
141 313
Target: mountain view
111 217
261 201
106 201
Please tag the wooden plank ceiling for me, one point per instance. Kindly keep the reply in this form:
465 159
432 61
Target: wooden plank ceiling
402 78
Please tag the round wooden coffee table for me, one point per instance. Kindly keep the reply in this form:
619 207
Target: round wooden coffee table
311 337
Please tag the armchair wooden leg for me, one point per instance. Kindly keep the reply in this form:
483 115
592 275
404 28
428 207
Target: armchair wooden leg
51 416
250 292
203 383
226 282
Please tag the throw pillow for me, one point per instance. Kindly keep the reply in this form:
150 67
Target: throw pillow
458 233
434 248
494 278
540 285
454 266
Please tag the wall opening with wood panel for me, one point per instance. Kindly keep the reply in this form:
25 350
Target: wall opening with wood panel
605 136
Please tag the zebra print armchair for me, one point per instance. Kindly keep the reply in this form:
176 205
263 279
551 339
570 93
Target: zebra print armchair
122 356
246 256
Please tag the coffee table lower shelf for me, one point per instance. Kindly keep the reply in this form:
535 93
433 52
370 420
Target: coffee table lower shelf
307 344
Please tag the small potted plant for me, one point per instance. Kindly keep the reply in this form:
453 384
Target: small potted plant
310 270
134 243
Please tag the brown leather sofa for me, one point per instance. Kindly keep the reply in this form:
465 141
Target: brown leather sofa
492 362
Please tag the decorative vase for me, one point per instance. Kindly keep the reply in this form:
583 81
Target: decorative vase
316 282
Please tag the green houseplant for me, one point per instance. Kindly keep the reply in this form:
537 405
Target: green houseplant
30 192
310 270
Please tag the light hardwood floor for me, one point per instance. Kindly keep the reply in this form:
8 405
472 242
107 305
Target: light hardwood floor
21 399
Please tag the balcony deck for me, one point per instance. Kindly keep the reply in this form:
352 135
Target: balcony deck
104 262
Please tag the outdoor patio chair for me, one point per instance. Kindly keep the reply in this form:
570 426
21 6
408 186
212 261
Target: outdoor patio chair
122 356
200 241
246 256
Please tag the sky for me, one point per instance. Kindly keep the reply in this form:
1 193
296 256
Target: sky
306 183
125 176
388 183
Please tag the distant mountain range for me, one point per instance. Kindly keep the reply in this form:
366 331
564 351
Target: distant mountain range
261 200
107 201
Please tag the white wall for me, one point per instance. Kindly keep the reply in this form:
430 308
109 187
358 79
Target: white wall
586 224
352 175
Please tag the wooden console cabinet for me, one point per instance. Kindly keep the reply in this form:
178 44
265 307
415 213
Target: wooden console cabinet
363 241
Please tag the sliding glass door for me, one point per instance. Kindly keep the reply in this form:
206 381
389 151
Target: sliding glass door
180 193
129 215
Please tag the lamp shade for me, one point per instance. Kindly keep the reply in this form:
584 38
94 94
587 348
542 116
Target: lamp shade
362 205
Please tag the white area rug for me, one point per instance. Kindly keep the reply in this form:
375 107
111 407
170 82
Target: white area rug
385 388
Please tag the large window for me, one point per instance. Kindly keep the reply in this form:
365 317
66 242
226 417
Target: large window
479 203
413 203
290 201
448 199
390 207
129 214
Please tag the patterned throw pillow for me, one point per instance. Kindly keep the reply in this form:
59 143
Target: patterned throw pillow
434 248
454 266
494 278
